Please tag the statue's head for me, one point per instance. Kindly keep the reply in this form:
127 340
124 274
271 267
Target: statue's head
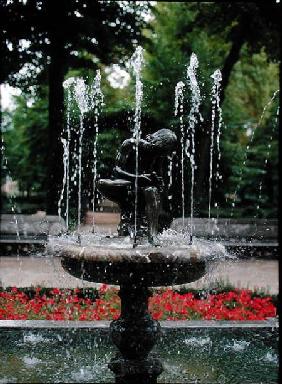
163 140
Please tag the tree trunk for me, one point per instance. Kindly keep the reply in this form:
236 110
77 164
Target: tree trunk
56 121
231 60
1 154
57 68
202 173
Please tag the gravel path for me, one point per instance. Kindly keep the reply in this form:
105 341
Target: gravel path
28 271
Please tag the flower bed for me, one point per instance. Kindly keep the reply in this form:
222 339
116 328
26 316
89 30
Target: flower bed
104 304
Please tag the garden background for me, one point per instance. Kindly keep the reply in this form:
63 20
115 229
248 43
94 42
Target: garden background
42 43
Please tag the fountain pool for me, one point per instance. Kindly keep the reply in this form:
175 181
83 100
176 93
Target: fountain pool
196 352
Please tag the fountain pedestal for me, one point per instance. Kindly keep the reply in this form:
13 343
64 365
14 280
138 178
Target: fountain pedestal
135 333
135 270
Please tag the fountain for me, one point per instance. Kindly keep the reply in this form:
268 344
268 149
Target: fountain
134 270
145 253
152 261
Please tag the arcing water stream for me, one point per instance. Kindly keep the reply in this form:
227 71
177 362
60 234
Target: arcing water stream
248 147
269 145
178 109
216 109
80 92
96 102
88 98
136 63
194 118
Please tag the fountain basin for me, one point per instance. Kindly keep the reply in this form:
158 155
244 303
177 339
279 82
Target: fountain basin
115 261
149 265
207 352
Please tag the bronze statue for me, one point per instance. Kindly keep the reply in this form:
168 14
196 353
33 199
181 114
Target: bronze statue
153 212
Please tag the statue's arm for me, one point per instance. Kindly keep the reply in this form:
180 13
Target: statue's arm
123 174
129 144
129 176
145 144
126 154
127 151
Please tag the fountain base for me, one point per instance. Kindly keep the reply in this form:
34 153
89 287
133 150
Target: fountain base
135 270
134 334
136 371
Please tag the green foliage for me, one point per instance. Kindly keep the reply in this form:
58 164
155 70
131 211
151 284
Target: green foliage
177 29
182 28
174 37
83 33
251 86
26 137
257 22
247 109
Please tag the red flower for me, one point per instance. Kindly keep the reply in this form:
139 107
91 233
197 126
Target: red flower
55 291
157 315
64 304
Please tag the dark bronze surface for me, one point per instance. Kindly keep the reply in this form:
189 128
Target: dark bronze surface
152 274
153 208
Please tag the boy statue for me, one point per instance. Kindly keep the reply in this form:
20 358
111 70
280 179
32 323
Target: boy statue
151 214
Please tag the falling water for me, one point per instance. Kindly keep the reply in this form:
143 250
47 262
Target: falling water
66 154
74 162
136 63
193 118
80 92
179 98
170 173
12 197
248 147
269 145
217 77
96 100
65 161
81 131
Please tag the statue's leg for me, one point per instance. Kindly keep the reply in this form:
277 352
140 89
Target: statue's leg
139 210
119 191
166 217
124 224
152 198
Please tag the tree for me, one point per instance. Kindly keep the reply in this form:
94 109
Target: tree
62 35
25 136
182 28
255 25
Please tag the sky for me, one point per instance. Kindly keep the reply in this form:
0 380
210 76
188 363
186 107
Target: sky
7 93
